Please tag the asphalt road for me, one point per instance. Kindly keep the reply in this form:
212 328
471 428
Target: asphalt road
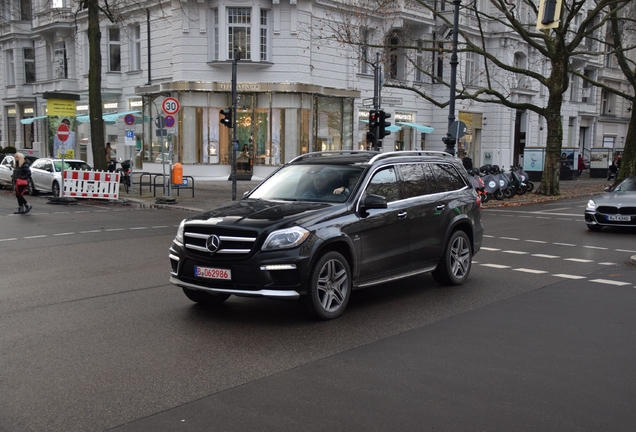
94 338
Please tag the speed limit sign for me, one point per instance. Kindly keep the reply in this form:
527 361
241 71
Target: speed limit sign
170 106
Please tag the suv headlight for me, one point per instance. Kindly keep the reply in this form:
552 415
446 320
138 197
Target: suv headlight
179 236
285 238
591 206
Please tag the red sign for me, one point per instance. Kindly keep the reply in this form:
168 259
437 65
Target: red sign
129 119
63 132
170 105
169 121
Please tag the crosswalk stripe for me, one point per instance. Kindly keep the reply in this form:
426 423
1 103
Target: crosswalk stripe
569 276
610 282
525 270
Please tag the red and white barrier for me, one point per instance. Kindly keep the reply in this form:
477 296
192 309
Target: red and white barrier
91 184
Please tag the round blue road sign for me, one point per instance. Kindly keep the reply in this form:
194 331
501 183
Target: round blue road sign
169 121
129 119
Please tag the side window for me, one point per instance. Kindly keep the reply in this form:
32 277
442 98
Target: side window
38 164
384 183
415 182
448 179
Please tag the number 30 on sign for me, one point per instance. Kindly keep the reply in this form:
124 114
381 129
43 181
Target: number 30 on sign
170 105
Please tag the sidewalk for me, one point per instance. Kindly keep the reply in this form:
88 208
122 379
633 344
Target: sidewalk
211 192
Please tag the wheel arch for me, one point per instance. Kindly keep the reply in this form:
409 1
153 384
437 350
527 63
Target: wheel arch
340 244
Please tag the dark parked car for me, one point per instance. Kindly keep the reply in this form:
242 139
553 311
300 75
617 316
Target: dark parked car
615 208
328 223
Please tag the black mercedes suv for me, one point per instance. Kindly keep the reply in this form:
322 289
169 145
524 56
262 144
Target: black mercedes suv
328 223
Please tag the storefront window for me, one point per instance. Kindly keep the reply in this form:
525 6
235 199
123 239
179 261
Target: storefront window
329 124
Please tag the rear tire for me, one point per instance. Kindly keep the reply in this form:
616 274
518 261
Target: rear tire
498 194
454 267
55 188
205 298
529 186
31 188
329 287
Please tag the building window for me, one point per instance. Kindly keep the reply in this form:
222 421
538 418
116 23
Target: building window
135 48
364 51
471 68
25 10
114 50
574 88
419 62
264 34
86 53
439 64
394 42
213 41
588 92
10 67
239 21
29 65
60 62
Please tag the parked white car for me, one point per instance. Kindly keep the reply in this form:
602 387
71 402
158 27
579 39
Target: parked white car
46 173
6 170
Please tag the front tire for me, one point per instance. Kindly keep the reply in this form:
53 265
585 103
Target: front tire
31 188
329 287
205 298
529 186
454 267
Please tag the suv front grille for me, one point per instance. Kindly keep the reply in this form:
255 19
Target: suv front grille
229 242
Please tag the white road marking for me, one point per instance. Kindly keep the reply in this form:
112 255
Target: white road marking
610 282
8 239
485 236
91 231
509 238
596 247
138 228
160 226
63 234
564 244
499 266
545 256
569 276
564 219
490 249
527 217
515 252
607 263
37 236
525 270
537 241
578 260
115 229
543 217
625 250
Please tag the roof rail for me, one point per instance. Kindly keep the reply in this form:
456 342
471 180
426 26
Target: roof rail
329 153
407 153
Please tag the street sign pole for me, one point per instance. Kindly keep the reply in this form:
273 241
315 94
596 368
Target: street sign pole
237 54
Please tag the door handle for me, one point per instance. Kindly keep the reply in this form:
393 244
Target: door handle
440 207
401 215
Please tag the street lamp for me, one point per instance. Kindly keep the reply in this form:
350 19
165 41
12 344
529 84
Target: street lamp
450 138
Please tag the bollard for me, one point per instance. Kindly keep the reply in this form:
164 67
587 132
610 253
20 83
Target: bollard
177 174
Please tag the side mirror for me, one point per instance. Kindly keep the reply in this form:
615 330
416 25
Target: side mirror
246 193
372 201
608 189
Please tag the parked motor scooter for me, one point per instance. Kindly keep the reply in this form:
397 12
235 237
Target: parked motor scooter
125 174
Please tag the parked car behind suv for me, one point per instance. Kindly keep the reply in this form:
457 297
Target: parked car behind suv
328 223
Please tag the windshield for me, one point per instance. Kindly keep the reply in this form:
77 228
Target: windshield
326 183
627 185
72 165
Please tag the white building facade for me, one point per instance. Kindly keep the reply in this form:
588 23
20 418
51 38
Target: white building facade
299 89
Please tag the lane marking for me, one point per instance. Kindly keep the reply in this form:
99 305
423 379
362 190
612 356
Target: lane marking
509 238
578 260
596 247
37 236
91 231
625 250
138 228
564 244
114 229
63 234
543 217
545 256
8 239
515 252
525 270
160 226
499 266
569 276
486 236
537 241
610 282
607 263
490 249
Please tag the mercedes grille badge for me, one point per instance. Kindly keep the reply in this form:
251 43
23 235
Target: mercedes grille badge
213 243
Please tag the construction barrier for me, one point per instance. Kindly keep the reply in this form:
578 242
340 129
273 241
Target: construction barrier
91 184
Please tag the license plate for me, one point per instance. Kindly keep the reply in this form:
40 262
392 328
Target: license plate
619 218
212 273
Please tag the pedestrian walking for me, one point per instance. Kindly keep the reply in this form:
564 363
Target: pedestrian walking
581 165
108 150
22 174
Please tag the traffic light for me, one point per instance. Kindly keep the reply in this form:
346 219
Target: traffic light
384 124
227 117
371 139
549 14
450 144
373 119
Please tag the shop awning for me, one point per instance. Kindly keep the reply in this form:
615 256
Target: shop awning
32 119
420 128
392 128
110 118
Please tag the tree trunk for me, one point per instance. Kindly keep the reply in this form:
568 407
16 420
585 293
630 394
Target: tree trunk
95 87
628 161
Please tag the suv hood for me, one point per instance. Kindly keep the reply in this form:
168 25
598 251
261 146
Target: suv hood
256 213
